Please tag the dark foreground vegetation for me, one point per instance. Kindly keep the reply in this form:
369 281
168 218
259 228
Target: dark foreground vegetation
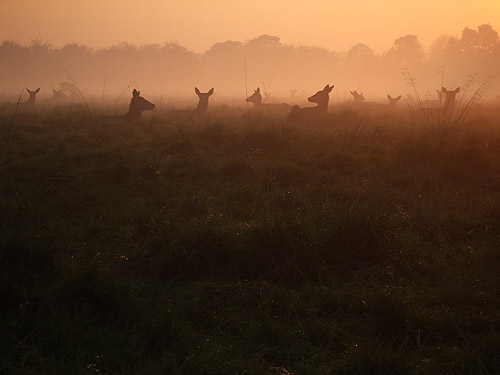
349 246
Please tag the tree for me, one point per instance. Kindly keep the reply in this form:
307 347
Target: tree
360 53
406 49
485 38
265 42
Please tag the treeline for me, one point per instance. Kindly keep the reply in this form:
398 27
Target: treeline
285 70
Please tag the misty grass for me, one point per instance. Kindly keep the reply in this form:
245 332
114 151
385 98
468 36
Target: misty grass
355 246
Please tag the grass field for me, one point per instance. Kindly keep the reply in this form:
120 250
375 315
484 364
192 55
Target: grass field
350 246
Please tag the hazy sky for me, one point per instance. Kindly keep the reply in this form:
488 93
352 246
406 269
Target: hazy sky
198 24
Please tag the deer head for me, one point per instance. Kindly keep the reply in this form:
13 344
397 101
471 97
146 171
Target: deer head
449 97
358 98
321 98
57 94
203 102
138 105
255 98
33 93
393 102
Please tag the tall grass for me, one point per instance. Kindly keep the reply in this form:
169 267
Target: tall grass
218 248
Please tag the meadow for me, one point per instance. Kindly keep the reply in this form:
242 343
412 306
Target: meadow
363 243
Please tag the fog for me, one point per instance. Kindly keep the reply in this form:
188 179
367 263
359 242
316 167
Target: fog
284 71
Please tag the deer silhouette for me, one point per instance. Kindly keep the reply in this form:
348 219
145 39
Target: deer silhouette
57 95
256 100
24 106
449 99
358 98
137 105
321 98
393 102
447 108
202 107
200 111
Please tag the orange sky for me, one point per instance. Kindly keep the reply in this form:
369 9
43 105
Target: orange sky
197 24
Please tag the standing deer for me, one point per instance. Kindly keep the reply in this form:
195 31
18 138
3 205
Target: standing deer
24 106
321 98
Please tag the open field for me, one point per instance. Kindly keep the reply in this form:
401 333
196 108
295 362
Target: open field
355 245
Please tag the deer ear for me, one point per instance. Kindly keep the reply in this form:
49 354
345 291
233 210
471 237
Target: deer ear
28 91
443 89
328 88
351 92
211 91
54 90
258 90
457 90
135 93
398 98
197 91
38 90
389 97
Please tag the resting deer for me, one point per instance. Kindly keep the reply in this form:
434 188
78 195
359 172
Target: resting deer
321 98
69 89
199 112
137 105
24 106
202 107
256 99
358 98
57 96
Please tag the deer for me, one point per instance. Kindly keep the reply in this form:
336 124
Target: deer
321 98
57 95
202 107
449 104
137 105
256 100
393 102
69 89
24 106
433 103
358 98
